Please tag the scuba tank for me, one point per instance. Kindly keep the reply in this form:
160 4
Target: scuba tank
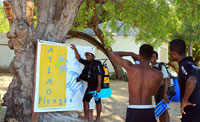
106 79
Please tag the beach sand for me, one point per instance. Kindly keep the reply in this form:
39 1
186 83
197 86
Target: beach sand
114 108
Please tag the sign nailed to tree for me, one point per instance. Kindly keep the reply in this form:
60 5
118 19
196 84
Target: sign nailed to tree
57 69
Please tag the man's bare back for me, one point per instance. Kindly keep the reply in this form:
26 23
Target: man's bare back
143 83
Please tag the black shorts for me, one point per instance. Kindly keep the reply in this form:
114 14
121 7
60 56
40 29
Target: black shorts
140 115
88 96
192 114
159 95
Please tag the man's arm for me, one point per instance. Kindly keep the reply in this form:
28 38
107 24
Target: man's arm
189 88
166 81
117 56
166 86
135 56
76 52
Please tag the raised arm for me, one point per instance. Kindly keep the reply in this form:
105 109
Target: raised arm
135 56
76 52
117 56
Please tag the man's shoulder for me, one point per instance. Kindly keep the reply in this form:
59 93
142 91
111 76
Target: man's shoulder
134 68
157 72
97 62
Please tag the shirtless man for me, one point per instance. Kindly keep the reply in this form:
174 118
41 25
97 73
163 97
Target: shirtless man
143 83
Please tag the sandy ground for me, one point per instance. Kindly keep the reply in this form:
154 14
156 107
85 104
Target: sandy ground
114 108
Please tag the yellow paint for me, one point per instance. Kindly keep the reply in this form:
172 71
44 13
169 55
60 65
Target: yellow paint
57 87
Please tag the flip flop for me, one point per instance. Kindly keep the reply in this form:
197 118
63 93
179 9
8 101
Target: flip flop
104 93
162 106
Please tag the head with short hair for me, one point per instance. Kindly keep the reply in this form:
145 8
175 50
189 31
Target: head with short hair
177 48
156 54
146 51
154 57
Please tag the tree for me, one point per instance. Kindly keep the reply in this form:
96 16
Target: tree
187 15
153 21
146 18
90 15
54 20
162 20
189 29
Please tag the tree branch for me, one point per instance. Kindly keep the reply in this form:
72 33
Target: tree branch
58 11
16 9
23 8
95 27
89 39
99 34
67 18
43 16
95 21
100 10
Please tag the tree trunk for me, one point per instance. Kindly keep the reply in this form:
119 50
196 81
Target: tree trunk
118 70
190 48
94 24
54 21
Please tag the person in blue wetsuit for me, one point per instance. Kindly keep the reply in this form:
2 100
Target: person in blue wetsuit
189 82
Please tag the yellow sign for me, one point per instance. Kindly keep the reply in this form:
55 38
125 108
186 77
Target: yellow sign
53 64
56 72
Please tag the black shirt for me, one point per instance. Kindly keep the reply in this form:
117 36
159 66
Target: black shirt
187 67
96 69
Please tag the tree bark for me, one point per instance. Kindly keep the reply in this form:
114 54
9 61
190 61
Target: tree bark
95 26
190 48
118 69
88 38
54 21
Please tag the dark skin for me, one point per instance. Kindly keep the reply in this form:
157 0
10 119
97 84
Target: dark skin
143 82
165 116
88 114
190 83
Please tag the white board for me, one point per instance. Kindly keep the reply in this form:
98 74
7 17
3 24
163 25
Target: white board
56 71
